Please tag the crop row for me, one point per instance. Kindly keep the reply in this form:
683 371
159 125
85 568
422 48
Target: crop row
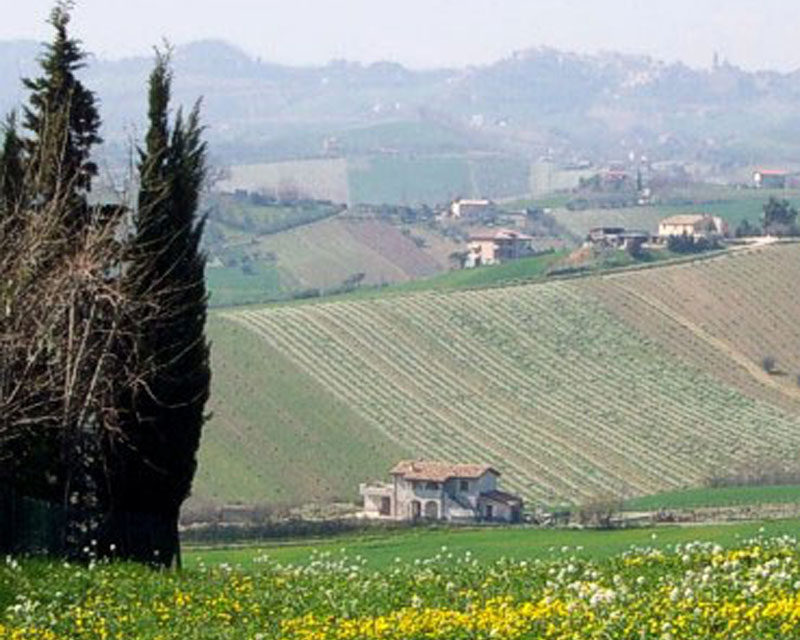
540 380
742 304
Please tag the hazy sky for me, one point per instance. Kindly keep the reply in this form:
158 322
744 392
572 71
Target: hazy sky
425 33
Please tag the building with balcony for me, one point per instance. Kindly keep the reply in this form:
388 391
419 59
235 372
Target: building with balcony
498 247
441 491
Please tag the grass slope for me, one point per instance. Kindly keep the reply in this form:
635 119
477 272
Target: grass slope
717 497
524 270
549 382
324 254
275 434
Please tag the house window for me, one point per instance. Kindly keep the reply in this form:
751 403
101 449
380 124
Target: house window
463 485
386 506
433 486
489 512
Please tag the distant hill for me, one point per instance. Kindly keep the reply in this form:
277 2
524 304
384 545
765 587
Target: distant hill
536 102
631 383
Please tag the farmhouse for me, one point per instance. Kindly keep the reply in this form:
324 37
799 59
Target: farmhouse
501 246
695 225
441 491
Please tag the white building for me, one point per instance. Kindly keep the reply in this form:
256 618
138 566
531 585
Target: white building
467 208
695 225
441 491
497 247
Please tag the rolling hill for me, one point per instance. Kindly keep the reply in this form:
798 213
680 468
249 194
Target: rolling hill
321 256
533 102
632 383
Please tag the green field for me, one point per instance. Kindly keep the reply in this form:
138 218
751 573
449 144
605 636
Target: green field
228 286
523 270
730 204
486 544
717 497
408 180
253 215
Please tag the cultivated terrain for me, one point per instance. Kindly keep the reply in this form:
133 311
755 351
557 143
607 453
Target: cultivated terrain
633 382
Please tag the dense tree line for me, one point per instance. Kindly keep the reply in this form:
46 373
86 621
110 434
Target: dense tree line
104 368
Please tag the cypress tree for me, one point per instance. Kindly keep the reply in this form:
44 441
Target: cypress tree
64 282
154 457
62 120
12 171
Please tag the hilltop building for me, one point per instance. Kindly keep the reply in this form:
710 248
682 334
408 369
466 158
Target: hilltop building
441 491
617 238
497 247
769 179
469 208
615 178
694 225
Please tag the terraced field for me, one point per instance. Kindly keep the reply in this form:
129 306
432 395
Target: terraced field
637 383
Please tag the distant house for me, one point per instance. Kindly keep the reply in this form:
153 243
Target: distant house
469 208
615 178
497 247
695 225
605 235
617 238
441 491
770 179
633 241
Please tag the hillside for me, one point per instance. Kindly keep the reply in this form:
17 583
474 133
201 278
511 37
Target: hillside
322 256
532 103
724 316
633 383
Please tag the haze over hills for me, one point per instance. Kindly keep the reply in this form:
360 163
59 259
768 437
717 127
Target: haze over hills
537 102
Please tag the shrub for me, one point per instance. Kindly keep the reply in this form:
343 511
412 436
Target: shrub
600 511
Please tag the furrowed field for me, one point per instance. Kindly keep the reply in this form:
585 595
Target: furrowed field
636 383
692 590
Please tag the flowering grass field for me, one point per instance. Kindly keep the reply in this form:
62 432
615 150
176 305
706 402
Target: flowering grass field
694 590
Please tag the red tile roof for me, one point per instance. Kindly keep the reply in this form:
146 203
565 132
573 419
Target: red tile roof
439 471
